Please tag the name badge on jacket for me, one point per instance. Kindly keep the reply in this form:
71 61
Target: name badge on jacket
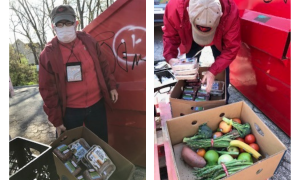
74 73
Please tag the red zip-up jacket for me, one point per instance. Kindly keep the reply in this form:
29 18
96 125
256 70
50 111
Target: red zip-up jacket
178 33
52 76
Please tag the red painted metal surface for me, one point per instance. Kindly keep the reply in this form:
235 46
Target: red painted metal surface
258 34
120 30
280 8
262 69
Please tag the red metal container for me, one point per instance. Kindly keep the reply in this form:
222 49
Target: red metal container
121 32
262 68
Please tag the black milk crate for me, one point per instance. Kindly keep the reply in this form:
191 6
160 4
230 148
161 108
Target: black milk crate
168 74
29 160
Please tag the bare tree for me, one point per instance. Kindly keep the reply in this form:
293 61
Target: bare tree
13 26
33 20
24 30
93 9
30 18
49 7
81 11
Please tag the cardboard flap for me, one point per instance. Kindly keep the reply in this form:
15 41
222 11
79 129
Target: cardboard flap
264 136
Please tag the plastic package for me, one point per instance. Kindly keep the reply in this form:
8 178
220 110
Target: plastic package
99 160
217 88
188 97
79 148
186 72
202 92
200 98
72 167
185 64
80 177
186 77
188 90
63 152
197 108
92 174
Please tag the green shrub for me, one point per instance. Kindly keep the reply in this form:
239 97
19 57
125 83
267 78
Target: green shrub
21 73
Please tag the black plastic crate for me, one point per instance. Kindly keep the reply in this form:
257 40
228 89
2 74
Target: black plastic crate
167 67
167 74
30 160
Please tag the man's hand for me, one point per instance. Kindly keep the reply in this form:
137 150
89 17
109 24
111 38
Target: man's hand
114 95
173 60
209 78
59 129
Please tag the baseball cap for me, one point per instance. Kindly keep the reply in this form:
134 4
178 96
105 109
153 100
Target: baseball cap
205 17
62 12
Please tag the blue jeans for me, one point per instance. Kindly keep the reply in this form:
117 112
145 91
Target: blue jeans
93 117
195 48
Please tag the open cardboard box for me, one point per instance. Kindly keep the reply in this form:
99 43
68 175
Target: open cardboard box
124 168
180 107
271 148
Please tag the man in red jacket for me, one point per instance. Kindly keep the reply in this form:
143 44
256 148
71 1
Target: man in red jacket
190 25
74 77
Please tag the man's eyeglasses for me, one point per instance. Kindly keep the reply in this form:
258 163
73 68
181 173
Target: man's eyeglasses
61 24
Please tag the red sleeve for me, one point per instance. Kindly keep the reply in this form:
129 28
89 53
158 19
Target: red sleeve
231 44
107 74
49 92
171 39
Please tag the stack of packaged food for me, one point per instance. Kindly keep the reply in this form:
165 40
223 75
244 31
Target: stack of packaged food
85 162
186 69
195 91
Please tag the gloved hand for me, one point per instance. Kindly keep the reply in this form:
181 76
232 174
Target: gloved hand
209 78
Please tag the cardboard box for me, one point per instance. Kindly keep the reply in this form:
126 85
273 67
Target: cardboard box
124 168
180 107
271 148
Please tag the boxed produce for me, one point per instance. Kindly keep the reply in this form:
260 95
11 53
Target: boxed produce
180 106
229 142
92 158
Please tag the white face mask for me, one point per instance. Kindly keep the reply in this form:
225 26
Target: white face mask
66 34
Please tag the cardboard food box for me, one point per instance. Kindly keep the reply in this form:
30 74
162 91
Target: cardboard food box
124 168
180 107
271 148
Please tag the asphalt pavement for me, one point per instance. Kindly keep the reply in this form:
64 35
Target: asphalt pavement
284 169
27 119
